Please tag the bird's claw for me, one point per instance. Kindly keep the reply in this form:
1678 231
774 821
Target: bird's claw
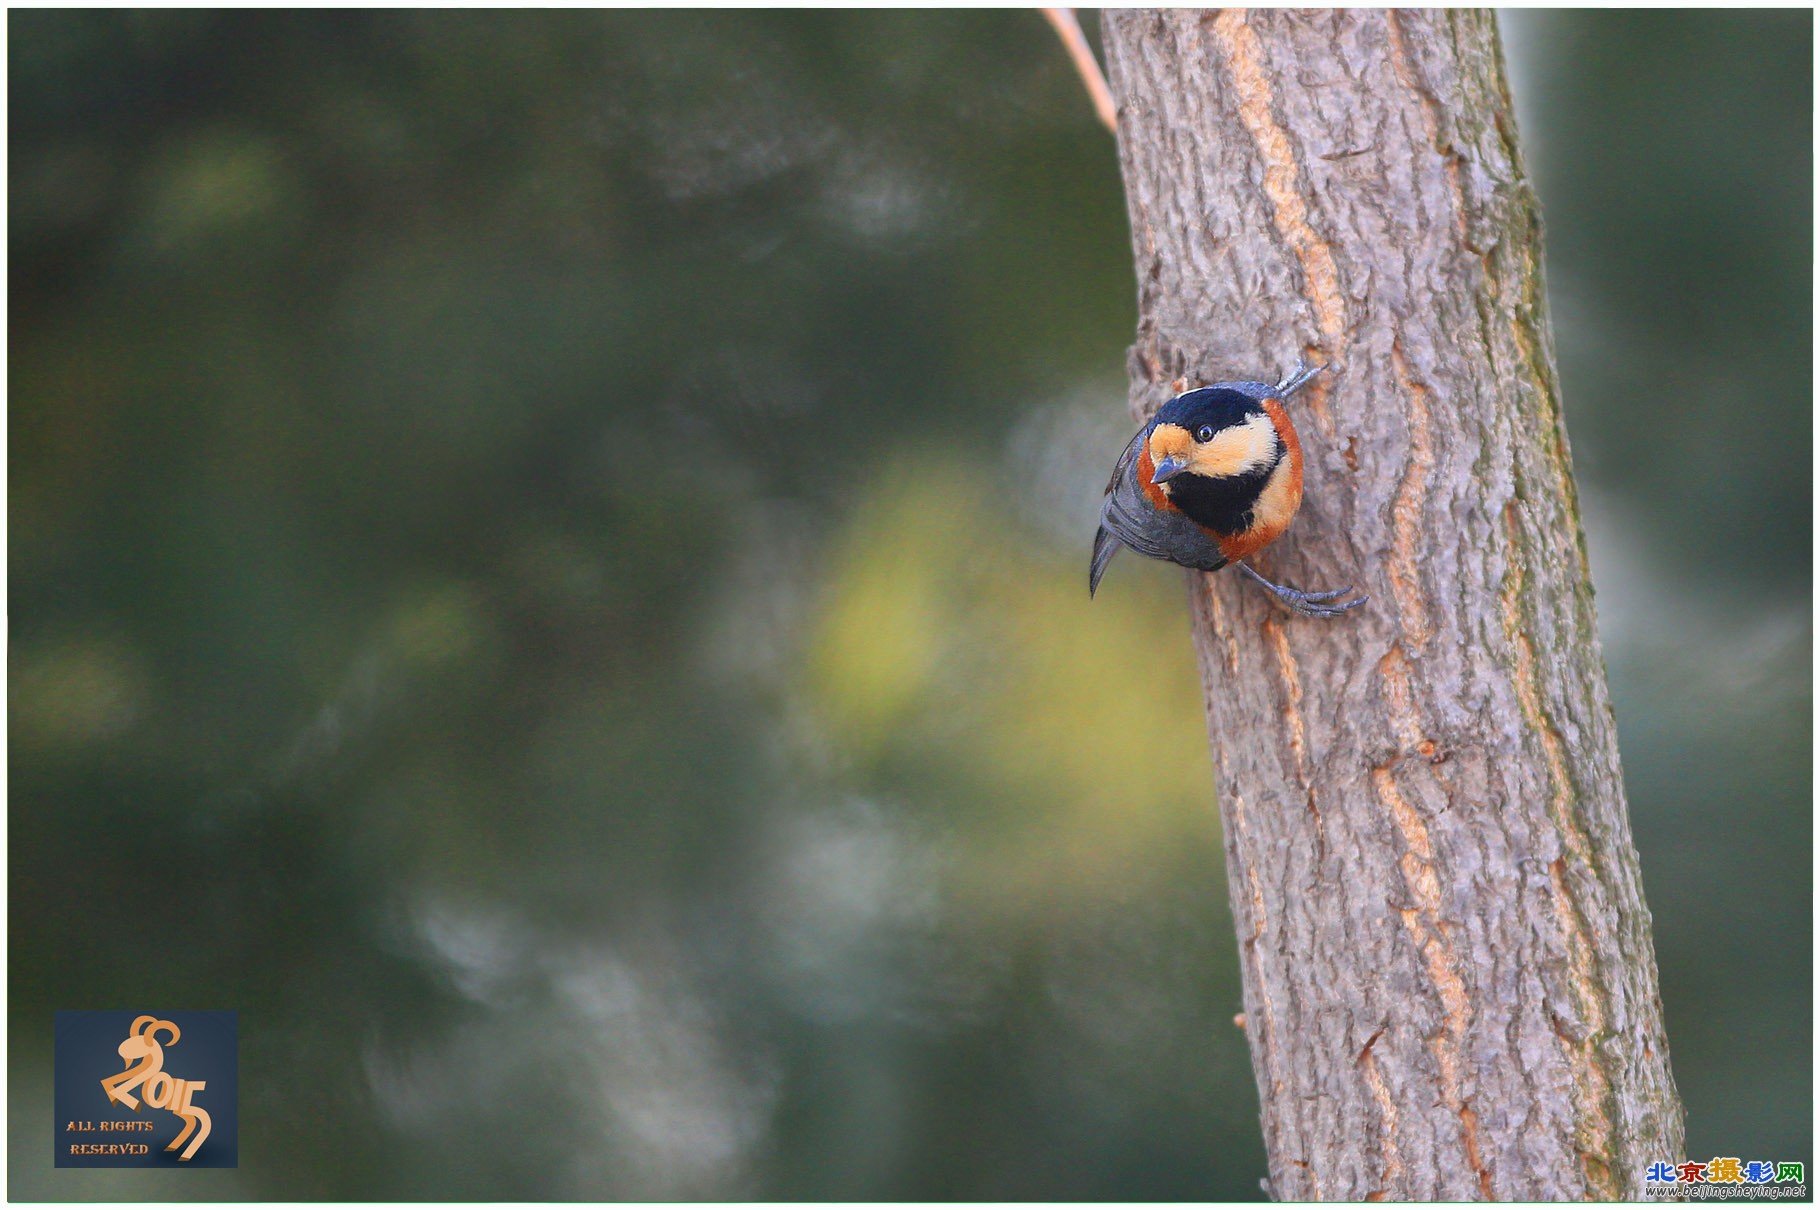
1310 606
1297 378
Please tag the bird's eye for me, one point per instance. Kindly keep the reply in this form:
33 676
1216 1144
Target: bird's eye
1204 433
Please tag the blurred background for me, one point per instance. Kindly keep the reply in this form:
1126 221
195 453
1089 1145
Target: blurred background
547 570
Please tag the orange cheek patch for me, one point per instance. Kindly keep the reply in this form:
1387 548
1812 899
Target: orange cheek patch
1169 440
1166 441
1145 471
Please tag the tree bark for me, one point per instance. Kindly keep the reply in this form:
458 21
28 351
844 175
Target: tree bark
1450 987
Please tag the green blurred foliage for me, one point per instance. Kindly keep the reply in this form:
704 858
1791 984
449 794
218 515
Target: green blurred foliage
547 566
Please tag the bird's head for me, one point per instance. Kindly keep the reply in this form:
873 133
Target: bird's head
1216 433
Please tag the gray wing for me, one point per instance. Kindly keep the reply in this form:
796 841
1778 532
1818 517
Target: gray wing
1127 460
1127 517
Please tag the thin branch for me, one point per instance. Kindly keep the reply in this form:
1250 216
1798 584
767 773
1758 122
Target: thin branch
1068 29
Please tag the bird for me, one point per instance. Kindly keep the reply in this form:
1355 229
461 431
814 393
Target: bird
1213 478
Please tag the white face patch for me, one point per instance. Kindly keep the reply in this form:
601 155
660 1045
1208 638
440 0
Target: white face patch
1236 450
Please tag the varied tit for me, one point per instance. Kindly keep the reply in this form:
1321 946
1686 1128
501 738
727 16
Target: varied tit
1214 477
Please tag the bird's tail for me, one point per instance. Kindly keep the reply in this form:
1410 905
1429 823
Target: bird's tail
1105 545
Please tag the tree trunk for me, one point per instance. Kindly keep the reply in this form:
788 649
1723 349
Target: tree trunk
1450 988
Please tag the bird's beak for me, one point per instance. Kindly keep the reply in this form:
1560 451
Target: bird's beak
1169 468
